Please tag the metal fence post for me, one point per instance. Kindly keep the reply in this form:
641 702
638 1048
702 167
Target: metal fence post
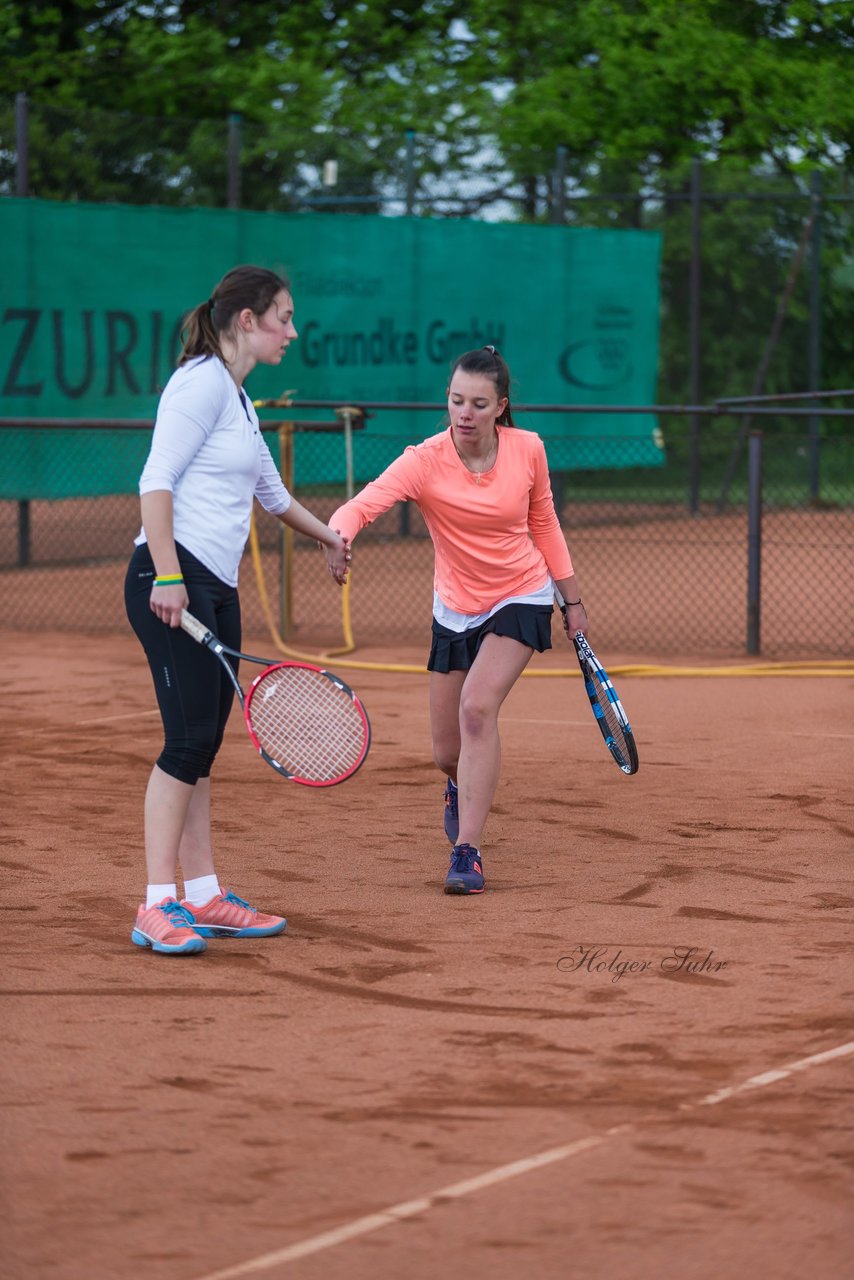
286 534
559 188
22 145
346 415
234 141
754 541
22 188
410 172
815 333
695 284
24 534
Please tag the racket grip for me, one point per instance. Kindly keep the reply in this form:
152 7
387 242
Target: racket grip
193 627
579 635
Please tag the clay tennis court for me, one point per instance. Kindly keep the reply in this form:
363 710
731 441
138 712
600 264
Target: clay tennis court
631 1057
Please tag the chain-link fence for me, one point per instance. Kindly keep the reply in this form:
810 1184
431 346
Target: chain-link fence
669 566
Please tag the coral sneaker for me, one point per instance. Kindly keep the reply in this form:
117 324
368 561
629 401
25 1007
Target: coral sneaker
167 927
228 916
452 812
466 870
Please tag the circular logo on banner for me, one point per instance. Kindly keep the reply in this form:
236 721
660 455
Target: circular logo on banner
598 364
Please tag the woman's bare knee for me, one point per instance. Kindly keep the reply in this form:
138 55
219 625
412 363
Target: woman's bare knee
447 764
446 757
477 717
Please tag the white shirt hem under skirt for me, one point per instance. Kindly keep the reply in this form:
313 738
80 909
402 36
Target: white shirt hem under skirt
460 622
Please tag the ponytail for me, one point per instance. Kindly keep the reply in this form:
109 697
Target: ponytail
246 286
199 337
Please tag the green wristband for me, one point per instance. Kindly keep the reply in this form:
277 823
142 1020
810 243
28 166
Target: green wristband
169 580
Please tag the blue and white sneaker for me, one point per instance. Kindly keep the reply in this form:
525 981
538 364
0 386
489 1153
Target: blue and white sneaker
466 871
452 812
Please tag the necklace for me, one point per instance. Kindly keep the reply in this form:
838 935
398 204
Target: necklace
486 463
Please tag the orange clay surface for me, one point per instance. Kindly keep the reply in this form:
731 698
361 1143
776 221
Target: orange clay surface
166 1118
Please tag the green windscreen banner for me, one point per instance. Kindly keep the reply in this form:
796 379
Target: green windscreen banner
93 299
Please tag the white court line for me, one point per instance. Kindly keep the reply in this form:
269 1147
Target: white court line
821 735
771 1077
537 720
53 729
411 1208
128 715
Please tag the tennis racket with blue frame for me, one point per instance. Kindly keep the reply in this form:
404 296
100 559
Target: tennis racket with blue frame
607 708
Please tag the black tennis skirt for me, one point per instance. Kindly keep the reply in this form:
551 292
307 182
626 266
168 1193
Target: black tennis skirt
530 624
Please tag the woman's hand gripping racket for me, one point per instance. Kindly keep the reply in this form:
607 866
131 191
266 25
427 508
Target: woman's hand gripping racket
607 708
305 722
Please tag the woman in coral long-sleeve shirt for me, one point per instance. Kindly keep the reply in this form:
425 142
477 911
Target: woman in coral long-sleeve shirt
483 489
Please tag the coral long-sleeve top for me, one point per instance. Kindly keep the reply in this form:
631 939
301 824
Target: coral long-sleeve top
494 535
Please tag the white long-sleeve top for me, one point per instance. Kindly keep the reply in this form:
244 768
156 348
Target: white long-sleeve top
208 452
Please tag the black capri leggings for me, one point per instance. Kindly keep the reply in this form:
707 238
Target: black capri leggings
193 692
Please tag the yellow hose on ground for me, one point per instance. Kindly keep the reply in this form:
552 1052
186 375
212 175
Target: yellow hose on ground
266 609
349 643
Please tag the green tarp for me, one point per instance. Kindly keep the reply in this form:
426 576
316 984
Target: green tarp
93 297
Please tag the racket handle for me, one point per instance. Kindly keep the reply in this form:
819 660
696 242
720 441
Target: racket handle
193 627
579 635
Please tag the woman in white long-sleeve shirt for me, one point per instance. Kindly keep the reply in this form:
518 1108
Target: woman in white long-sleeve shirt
208 461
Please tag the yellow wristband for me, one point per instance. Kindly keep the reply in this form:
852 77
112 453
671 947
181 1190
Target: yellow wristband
169 580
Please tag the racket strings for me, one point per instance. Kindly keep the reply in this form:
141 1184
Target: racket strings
610 712
307 723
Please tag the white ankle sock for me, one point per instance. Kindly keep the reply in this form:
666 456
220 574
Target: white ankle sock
157 892
199 891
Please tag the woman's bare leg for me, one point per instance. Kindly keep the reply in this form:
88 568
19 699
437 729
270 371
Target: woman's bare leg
195 852
499 664
177 824
445 690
